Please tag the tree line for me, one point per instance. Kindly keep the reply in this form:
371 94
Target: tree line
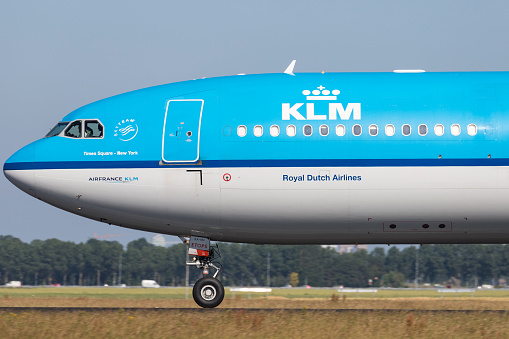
52 261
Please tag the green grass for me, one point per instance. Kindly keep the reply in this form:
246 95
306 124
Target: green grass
97 292
180 293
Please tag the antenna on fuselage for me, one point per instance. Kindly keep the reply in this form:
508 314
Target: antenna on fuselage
289 69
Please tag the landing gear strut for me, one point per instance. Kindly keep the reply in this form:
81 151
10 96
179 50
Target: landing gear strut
208 291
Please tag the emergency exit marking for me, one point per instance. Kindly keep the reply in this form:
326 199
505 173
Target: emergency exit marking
227 177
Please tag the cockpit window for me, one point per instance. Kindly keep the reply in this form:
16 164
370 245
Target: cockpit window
57 129
93 129
74 129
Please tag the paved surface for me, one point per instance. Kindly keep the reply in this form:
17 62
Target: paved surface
251 310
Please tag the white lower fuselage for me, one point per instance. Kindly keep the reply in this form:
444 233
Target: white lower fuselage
290 205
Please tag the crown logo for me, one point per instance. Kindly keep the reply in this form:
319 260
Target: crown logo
321 94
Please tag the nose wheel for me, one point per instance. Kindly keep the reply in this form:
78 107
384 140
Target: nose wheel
208 292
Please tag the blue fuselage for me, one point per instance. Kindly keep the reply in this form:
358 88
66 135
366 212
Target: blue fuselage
275 158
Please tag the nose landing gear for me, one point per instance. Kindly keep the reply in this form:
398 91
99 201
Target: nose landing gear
208 291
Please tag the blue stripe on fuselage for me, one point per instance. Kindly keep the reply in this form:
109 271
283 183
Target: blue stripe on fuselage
261 163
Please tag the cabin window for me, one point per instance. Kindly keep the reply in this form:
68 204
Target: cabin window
74 129
472 129
57 129
241 131
373 130
455 129
423 129
357 130
93 129
390 130
258 131
340 130
274 130
308 130
291 130
324 130
406 130
439 130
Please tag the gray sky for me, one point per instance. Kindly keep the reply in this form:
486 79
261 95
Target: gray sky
56 56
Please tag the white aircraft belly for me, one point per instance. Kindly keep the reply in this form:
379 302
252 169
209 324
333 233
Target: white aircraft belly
257 205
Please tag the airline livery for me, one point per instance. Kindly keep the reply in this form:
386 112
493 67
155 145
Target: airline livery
334 158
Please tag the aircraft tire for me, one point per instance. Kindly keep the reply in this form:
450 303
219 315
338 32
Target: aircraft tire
208 292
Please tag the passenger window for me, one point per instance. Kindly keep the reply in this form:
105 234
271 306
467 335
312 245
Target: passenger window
93 129
242 131
472 129
455 130
291 130
340 130
357 130
406 129
373 130
423 129
74 130
439 130
258 131
390 130
274 130
324 130
308 130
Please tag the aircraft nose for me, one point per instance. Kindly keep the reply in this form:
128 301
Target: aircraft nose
19 169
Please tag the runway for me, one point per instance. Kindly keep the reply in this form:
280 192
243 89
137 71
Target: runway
244 310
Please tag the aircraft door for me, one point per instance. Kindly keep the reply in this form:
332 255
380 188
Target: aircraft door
181 132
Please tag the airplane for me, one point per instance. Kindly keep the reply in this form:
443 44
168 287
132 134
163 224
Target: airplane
403 157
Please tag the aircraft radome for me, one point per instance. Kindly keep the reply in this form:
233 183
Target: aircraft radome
307 158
